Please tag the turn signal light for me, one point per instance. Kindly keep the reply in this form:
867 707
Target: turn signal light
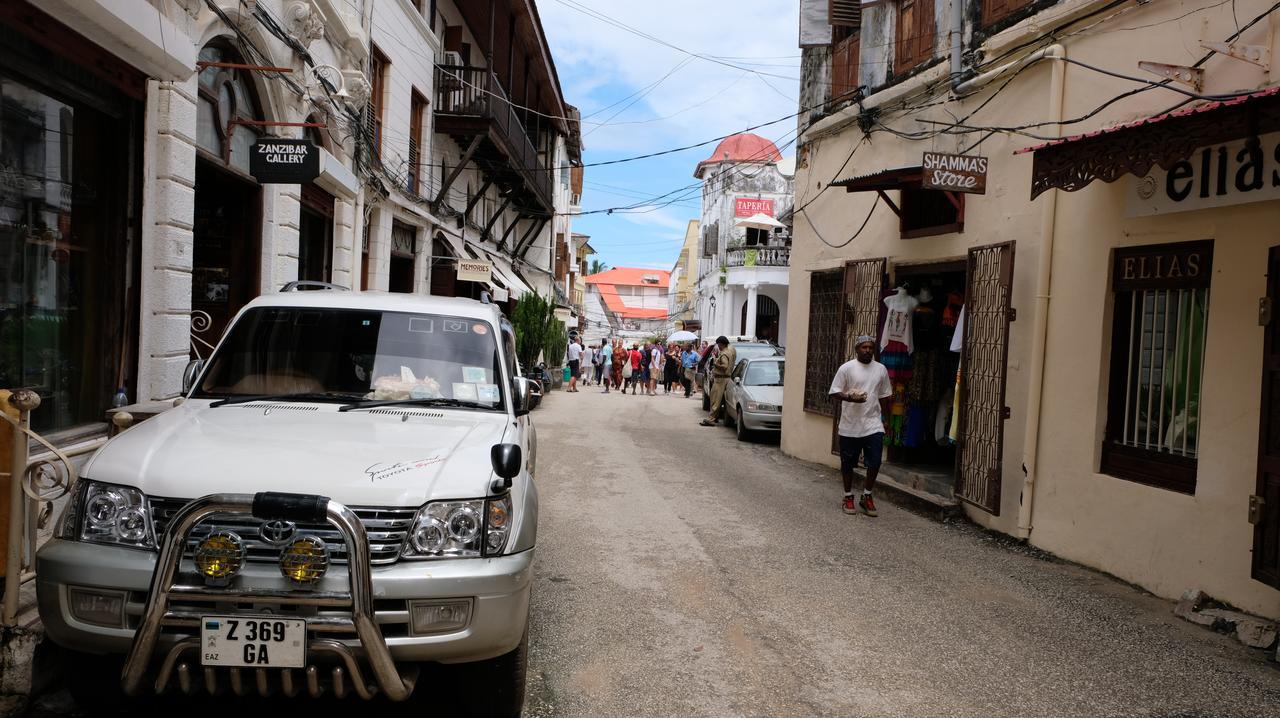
220 556
305 560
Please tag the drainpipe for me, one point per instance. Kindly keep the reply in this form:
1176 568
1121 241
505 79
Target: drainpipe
1040 329
979 81
957 42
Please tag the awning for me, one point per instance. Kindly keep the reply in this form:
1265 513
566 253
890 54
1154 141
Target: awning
759 221
1073 163
502 270
896 178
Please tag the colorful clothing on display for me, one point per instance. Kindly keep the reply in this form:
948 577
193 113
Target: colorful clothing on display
897 323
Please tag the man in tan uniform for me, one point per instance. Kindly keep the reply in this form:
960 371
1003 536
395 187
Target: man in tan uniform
721 367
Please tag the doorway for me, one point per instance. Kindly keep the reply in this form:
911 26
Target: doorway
315 235
767 318
1264 507
224 274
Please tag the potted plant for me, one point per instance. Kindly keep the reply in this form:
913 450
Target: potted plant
557 343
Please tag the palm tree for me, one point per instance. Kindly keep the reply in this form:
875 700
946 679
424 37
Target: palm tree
597 267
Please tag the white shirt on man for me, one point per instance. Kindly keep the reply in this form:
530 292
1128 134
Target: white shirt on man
575 351
859 419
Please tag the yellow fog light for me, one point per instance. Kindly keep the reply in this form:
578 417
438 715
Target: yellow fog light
219 556
304 560
497 515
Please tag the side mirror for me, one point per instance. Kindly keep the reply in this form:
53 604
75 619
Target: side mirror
507 461
190 374
523 398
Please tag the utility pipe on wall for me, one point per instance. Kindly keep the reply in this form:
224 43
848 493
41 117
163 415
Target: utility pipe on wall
1040 329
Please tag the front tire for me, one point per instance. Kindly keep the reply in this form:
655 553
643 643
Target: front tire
706 402
492 688
740 430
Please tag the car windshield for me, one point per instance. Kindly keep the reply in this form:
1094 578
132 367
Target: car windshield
752 351
356 354
765 373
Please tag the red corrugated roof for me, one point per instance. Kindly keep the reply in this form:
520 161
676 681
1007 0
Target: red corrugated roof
1206 107
744 147
631 277
613 302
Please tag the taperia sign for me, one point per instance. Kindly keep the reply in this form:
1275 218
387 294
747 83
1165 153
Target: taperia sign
954 173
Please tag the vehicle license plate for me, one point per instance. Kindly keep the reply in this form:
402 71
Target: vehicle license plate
255 641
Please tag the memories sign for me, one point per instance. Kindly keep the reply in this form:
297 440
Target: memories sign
954 173
275 160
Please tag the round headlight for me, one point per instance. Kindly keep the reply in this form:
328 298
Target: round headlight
132 525
430 536
103 508
495 541
464 524
220 555
304 560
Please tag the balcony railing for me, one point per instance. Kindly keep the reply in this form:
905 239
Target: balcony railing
759 257
475 91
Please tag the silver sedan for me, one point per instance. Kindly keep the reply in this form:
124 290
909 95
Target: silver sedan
753 399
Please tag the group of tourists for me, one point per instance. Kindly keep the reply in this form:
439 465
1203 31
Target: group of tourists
615 366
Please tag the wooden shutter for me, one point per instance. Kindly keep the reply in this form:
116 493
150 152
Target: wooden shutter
378 76
444 272
845 13
453 40
984 364
996 10
916 29
1266 517
844 68
417 108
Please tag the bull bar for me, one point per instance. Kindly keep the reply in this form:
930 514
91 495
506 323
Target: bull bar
394 684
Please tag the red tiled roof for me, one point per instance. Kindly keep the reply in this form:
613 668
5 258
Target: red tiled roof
631 277
743 147
613 302
1206 107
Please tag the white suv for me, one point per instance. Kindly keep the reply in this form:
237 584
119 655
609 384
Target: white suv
345 493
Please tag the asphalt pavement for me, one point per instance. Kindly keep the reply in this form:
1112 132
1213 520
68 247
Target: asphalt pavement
682 573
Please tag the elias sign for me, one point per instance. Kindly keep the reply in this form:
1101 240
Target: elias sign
274 160
1216 176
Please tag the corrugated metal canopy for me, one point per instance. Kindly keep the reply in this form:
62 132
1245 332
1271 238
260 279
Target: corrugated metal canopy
895 178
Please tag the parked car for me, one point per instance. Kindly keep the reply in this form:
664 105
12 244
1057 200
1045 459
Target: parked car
753 399
345 494
746 349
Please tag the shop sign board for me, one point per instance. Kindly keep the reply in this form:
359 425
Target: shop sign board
1220 175
276 160
954 173
474 270
1182 265
501 294
747 206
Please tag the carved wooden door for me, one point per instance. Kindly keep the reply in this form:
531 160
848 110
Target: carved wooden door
984 364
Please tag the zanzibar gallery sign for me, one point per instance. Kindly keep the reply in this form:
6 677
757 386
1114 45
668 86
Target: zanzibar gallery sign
275 160
954 173
747 207
1215 176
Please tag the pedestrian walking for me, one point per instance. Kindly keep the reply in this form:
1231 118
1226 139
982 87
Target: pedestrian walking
656 358
721 367
863 393
597 364
606 363
688 369
670 368
574 354
620 359
646 355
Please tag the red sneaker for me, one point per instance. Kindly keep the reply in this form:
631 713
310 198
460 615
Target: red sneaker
849 507
868 505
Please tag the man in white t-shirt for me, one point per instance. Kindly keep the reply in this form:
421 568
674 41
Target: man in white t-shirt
862 392
574 354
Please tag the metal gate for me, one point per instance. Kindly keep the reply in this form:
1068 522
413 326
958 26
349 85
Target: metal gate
863 292
1264 506
983 367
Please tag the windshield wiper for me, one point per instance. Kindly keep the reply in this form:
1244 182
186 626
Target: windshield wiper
438 401
297 396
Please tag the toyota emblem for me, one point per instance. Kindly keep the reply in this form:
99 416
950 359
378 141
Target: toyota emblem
277 532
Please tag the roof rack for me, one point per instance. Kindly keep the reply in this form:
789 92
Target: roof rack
302 283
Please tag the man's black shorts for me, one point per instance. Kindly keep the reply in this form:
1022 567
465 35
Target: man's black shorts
575 369
871 448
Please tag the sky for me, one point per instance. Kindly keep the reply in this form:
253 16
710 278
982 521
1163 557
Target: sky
639 96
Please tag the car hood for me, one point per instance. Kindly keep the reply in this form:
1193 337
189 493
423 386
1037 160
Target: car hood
399 457
764 394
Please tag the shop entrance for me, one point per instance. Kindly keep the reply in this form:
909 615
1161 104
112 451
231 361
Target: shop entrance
1264 508
401 265
767 316
920 345
224 275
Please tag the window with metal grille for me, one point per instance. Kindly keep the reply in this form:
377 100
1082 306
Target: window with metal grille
826 324
1157 362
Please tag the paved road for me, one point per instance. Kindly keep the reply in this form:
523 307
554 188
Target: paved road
680 573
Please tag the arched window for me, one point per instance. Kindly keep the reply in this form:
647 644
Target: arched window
226 97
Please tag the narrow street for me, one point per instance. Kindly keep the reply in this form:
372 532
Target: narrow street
681 573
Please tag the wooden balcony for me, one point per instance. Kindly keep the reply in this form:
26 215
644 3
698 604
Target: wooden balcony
471 103
758 257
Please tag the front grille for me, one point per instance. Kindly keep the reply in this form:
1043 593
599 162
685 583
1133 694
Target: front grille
387 529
